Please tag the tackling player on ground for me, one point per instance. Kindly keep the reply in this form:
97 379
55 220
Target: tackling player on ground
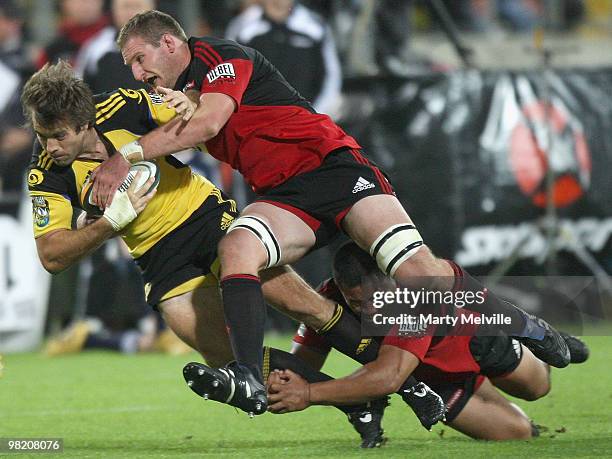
464 369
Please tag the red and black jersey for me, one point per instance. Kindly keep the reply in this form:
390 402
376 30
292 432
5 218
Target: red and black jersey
443 358
275 133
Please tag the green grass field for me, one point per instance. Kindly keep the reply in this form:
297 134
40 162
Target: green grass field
108 405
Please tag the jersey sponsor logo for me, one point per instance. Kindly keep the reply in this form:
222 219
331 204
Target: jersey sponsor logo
362 184
365 342
226 220
156 99
40 211
366 418
35 177
413 328
221 71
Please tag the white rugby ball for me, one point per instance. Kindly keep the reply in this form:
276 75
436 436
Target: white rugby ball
147 170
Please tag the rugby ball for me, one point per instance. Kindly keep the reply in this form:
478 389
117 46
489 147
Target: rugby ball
147 170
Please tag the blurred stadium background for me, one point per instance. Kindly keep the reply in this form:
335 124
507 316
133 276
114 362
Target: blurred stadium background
492 118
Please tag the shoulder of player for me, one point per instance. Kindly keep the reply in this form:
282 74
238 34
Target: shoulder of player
43 175
105 100
121 103
213 51
41 161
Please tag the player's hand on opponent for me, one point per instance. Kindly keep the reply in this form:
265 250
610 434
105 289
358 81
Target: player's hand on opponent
178 100
106 179
287 392
128 204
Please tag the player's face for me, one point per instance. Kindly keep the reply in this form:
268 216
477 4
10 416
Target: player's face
151 64
361 297
62 142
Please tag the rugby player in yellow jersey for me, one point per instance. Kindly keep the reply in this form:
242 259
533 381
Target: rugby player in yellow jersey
173 240
76 132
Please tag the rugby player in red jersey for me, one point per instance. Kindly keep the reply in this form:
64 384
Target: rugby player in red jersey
311 179
464 369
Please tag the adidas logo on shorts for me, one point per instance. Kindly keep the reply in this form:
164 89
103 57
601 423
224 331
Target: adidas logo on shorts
362 184
226 220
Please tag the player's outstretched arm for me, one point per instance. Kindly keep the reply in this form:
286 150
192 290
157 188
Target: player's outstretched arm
208 119
212 113
382 377
60 249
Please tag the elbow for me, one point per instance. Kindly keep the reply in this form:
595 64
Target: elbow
394 383
52 266
205 127
395 376
210 131
388 383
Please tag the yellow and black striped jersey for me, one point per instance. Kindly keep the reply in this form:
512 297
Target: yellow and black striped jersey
122 116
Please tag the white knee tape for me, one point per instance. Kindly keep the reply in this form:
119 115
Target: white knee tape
394 246
263 232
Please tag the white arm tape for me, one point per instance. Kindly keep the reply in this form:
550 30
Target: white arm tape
132 152
121 212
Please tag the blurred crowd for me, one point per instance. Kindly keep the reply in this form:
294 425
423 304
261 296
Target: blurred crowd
315 44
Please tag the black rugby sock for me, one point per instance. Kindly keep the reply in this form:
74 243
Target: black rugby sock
245 316
521 324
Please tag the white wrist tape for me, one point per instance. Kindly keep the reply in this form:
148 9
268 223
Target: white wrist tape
132 152
121 212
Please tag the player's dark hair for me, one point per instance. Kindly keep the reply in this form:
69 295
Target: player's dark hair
352 264
55 95
151 26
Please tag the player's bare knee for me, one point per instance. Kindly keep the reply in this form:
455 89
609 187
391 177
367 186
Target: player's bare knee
514 427
238 253
520 429
537 386
536 391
